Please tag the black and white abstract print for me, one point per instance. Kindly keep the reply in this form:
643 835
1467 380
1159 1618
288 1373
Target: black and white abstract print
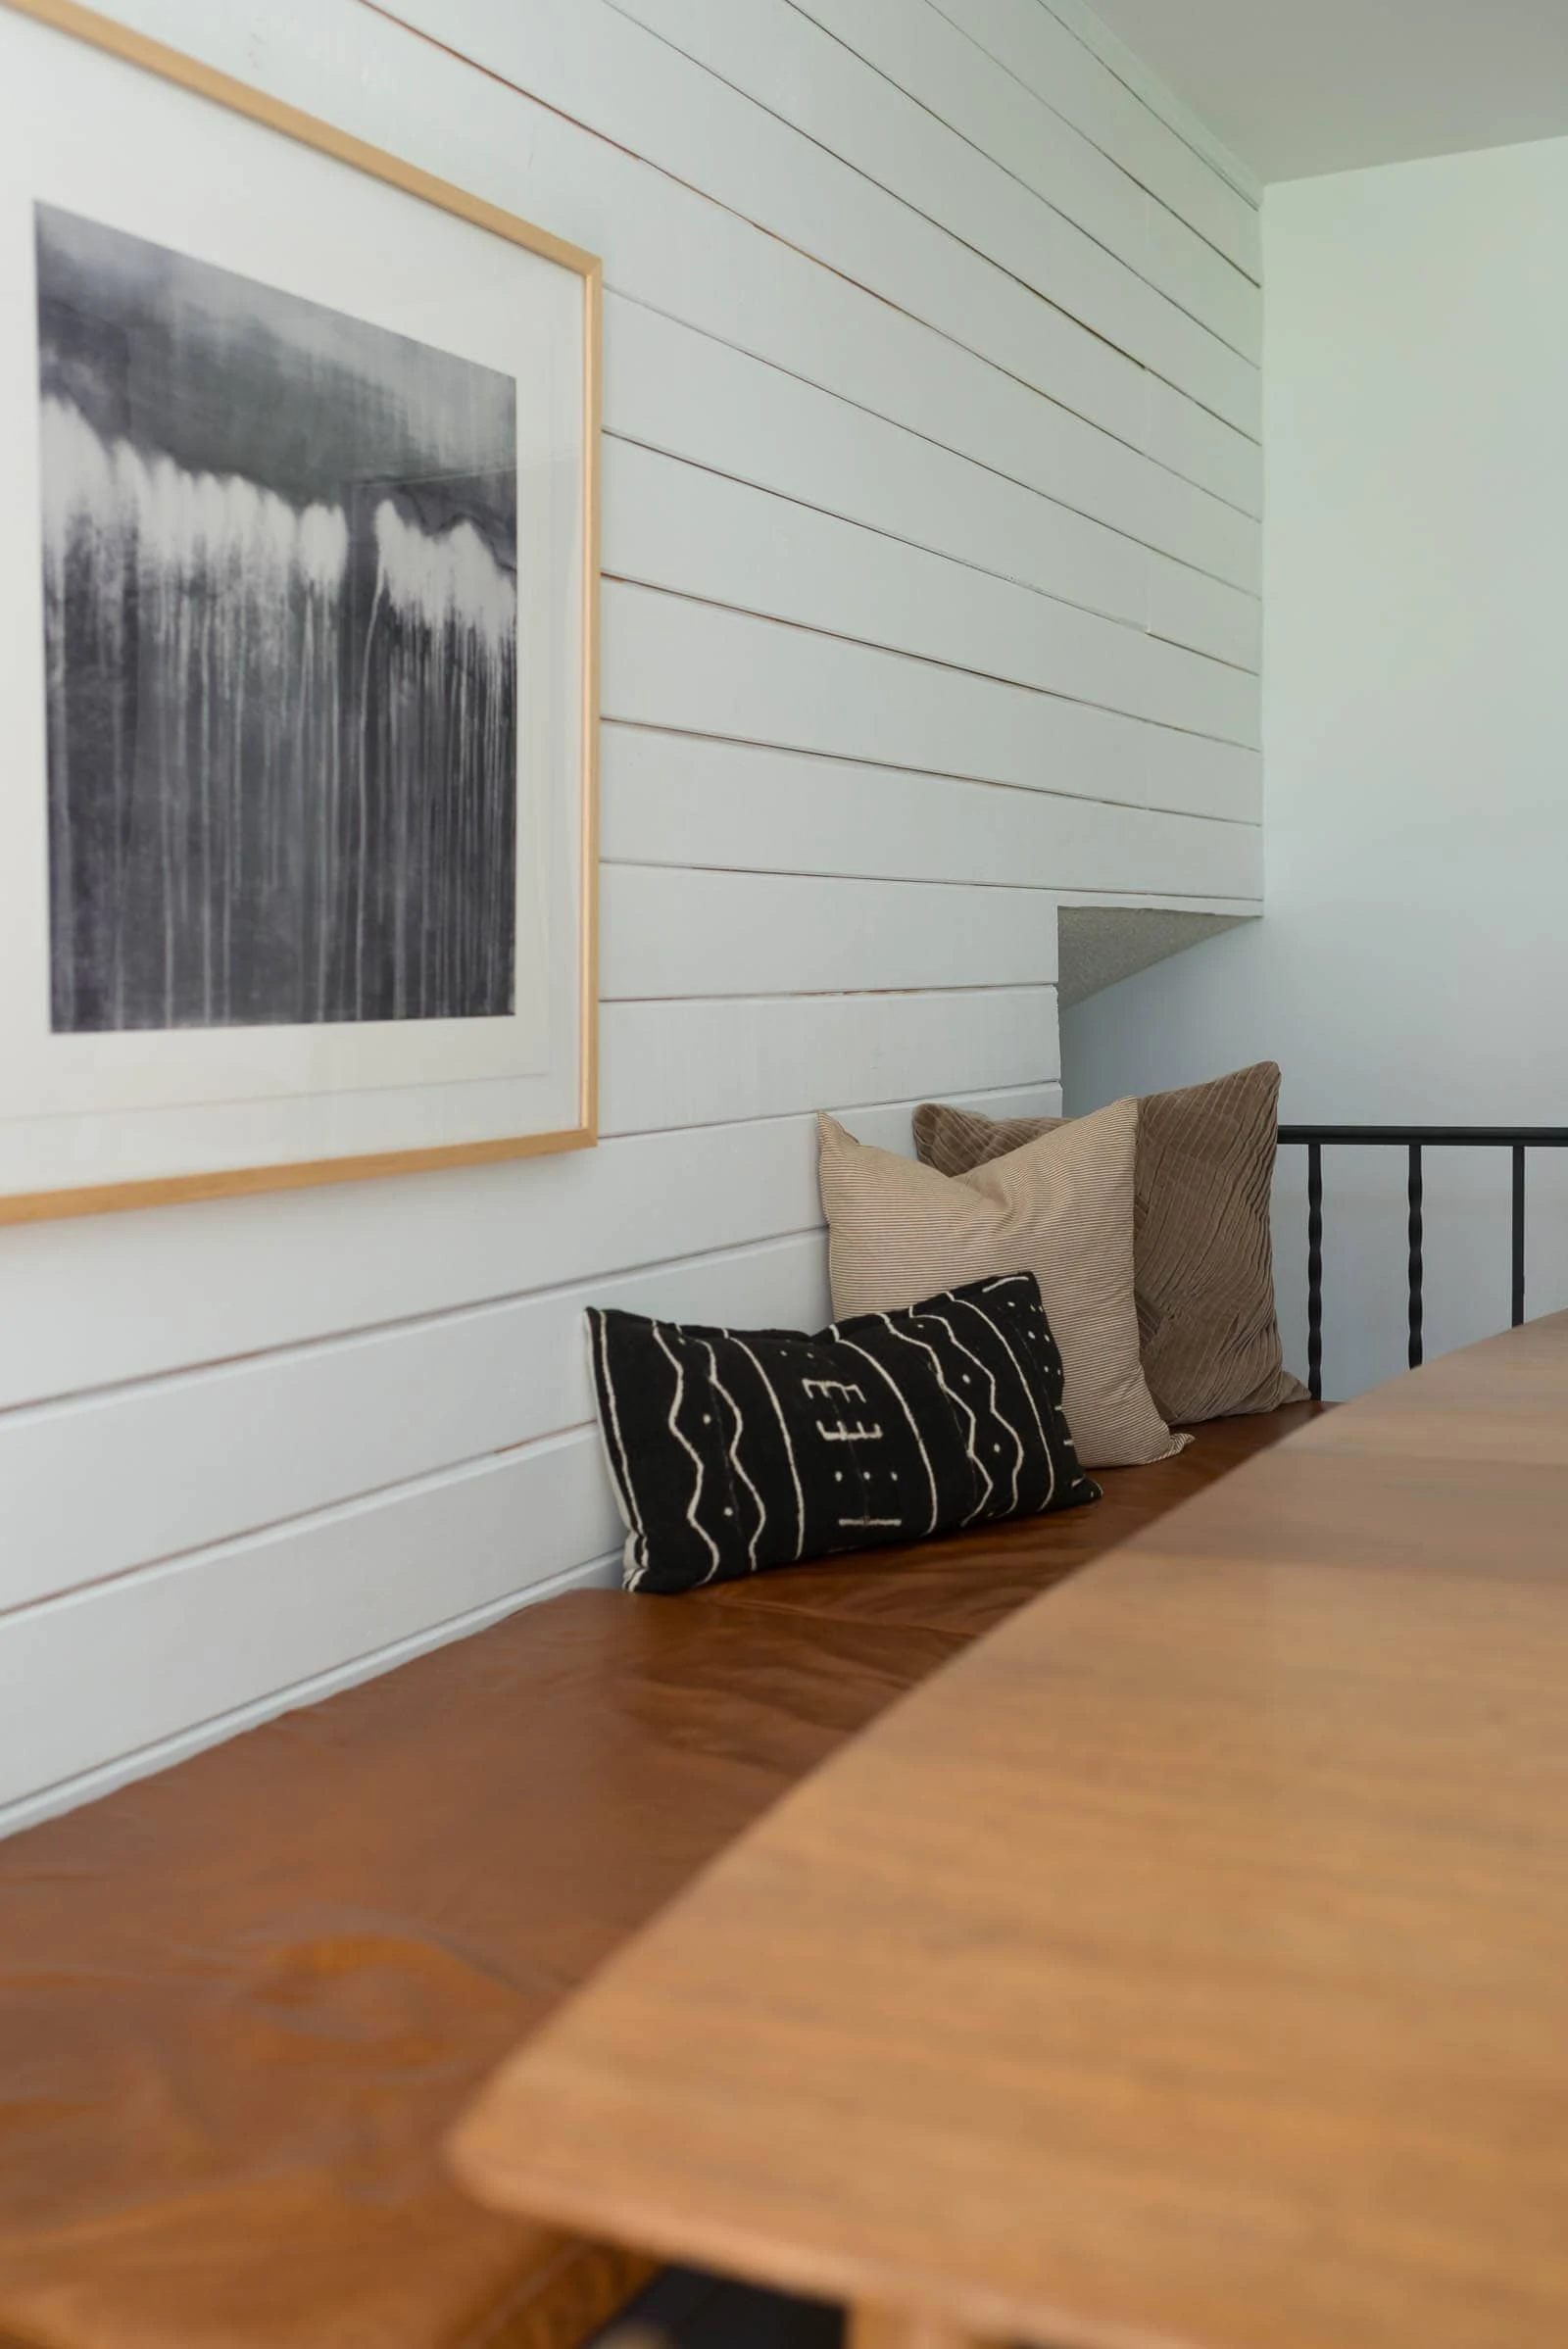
734 1450
280 582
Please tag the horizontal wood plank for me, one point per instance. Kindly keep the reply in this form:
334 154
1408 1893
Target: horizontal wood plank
153 1652
672 931
184 1462
1206 447
714 1060
86 1307
1205 614
1189 775
674 799
703 668
672 525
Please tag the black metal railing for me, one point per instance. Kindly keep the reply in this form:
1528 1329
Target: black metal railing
1415 1140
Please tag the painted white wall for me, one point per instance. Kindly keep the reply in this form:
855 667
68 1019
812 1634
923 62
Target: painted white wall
1414 964
931 495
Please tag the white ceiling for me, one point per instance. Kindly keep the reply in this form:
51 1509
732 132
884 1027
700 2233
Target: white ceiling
1294 87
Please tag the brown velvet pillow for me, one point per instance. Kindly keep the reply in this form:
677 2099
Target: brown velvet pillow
1203 1248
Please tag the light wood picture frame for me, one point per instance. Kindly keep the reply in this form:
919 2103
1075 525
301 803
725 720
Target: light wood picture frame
299 820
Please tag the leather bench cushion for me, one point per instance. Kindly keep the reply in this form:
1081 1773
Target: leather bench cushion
240 2002
968 1586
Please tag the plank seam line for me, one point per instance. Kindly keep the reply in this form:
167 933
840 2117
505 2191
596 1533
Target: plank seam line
936 774
897 538
270 1531
931 991
957 669
1180 644
1030 889
703 1125
1059 892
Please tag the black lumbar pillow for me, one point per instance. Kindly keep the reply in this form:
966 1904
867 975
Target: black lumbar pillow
733 1450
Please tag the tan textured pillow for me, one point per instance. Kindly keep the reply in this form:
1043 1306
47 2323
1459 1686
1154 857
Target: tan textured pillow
1061 1208
1203 1249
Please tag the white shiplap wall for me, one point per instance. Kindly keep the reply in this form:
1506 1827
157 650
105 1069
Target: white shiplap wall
931 545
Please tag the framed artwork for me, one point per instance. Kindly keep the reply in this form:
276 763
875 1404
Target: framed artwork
298 646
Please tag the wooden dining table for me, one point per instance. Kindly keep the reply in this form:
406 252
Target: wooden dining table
1184 1966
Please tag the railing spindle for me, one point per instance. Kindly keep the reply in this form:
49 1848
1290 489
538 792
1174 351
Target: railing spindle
1314 1270
1415 1195
1516 1139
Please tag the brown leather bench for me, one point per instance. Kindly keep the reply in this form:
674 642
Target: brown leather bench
241 2002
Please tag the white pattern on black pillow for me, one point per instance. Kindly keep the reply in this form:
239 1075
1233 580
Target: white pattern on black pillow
734 1450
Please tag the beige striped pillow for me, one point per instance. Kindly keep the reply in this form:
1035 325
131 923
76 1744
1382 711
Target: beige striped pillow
1061 1207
